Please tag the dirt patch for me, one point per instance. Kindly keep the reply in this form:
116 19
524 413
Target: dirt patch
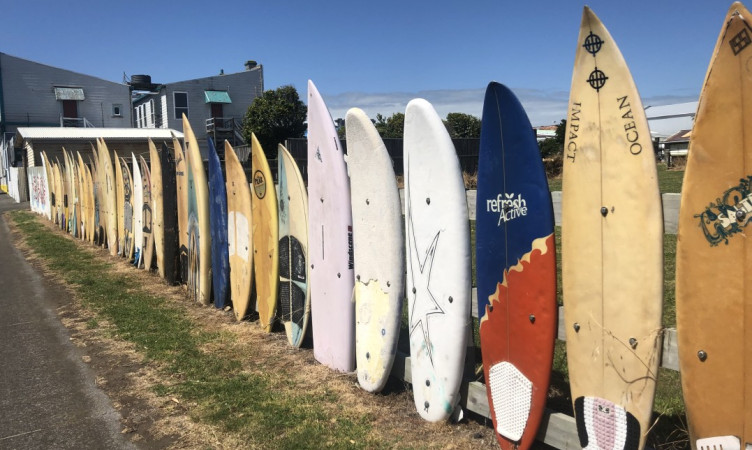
163 421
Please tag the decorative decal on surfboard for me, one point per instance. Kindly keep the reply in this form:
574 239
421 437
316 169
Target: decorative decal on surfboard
259 184
740 42
425 303
597 78
729 214
512 393
593 43
607 425
507 206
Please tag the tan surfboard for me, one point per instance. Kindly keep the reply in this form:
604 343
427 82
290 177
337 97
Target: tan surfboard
129 219
239 229
155 168
612 248
147 214
59 194
84 197
199 232
120 204
182 201
109 196
713 257
50 185
265 235
90 193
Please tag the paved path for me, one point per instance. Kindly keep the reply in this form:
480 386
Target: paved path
48 398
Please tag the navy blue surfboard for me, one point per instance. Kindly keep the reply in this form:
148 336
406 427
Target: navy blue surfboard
516 269
218 224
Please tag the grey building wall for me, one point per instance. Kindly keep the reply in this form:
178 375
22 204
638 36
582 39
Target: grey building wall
243 88
28 95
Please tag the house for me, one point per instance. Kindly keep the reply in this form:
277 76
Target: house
545 132
215 106
676 147
37 95
666 120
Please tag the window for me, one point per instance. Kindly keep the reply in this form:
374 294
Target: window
181 104
117 110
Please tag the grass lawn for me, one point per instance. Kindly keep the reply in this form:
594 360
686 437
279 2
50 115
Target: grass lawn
669 181
262 405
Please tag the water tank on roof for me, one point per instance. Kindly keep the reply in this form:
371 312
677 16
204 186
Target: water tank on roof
141 81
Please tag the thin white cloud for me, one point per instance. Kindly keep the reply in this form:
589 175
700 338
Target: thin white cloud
543 107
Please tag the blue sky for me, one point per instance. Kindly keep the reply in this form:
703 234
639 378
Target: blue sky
373 55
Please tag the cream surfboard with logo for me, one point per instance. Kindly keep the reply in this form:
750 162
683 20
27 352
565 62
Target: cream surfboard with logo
378 249
612 248
713 258
265 235
239 233
437 233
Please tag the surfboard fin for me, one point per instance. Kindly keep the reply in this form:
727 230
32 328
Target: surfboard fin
457 414
721 443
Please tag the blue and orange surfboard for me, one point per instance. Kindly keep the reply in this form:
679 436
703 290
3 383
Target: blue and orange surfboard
516 269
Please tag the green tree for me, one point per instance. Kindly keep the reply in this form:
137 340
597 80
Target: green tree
391 127
461 125
276 115
555 145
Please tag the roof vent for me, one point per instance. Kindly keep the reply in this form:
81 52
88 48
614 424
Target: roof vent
250 64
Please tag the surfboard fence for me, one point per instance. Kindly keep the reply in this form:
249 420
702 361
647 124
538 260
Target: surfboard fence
467 152
670 208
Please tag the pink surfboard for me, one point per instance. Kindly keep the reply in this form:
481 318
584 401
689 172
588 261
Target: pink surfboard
330 241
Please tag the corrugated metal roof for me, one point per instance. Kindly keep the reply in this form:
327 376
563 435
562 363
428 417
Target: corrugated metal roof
115 134
677 109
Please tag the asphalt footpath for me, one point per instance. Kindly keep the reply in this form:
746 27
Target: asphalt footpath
48 398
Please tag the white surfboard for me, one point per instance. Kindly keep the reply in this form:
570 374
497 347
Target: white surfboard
438 262
378 249
138 205
330 241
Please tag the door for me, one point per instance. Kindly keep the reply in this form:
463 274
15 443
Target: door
70 109
216 113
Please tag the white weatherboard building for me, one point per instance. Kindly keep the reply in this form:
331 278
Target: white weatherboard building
215 106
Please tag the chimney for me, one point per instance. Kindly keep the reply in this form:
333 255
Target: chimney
250 64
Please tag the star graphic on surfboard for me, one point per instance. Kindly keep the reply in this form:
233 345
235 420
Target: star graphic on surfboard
424 303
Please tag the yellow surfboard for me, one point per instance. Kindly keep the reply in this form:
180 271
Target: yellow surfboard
713 260
265 235
612 248
181 181
109 195
199 232
239 229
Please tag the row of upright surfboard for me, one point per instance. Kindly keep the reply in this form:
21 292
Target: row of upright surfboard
338 250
